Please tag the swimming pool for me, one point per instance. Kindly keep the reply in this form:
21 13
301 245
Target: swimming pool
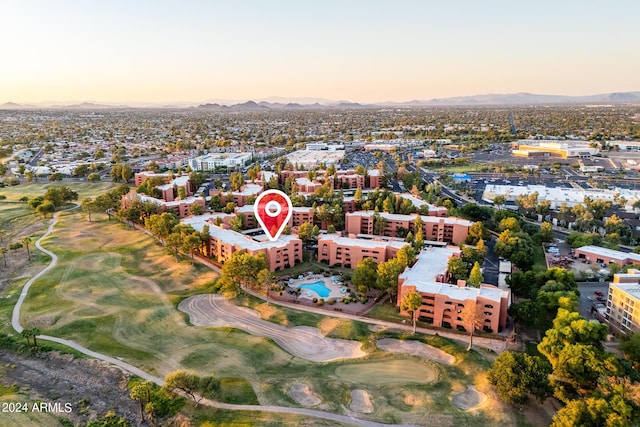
317 287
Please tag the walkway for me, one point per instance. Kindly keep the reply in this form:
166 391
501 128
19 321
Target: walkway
15 323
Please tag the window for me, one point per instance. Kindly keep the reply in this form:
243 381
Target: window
488 306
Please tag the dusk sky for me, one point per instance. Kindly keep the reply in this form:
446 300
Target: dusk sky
364 51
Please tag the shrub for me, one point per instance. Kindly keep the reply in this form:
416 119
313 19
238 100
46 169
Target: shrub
315 300
320 301
331 301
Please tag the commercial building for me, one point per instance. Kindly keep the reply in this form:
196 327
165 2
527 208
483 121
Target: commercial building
211 161
312 158
282 253
548 148
443 303
439 229
602 255
347 251
623 302
556 196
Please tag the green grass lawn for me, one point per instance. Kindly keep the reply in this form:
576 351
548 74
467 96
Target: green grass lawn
15 218
386 311
84 189
115 291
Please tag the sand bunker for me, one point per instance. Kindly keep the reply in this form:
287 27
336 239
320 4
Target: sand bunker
415 348
361 402
301 341
469 399
301 393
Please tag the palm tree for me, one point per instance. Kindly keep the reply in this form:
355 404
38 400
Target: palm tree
25 242
27 334
4 251
34 333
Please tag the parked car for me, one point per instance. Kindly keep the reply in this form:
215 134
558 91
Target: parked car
601 299
598 293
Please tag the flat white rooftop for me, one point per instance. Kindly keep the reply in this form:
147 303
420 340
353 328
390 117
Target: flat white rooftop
418 202
432 263
312 157
199 221
362 243
426 219
609 253
232 237
250 190
557 195
180 181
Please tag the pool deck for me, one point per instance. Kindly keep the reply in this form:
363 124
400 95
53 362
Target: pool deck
334 288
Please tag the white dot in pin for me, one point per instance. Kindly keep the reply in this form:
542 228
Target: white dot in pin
273 209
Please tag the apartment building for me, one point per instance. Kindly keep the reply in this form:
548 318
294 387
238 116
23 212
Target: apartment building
348 251
180 208
241 197
305 186
442 303
299 215
170 190
439 229
349 179
418 203
623 302
282 253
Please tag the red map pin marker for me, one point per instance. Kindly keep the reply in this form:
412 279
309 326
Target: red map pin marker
273 209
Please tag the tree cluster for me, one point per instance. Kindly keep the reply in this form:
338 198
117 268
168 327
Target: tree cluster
541 294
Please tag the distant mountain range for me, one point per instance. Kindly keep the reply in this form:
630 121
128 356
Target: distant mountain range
281 103
523 98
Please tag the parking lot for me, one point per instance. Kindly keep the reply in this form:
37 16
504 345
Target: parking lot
588 296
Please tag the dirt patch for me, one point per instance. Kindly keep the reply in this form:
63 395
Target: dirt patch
329 324
266 310
361 402
91 387
301 341
301 393
469 399
415 348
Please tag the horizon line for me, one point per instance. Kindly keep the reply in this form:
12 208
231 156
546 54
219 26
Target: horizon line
276 99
